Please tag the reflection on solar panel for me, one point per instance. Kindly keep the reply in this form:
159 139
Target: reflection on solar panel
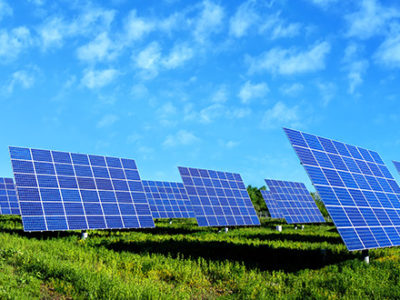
8 197
66 191
272 204
295 201
397 165
356 187
218 198
168 199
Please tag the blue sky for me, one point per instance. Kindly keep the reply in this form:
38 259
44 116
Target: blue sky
207 84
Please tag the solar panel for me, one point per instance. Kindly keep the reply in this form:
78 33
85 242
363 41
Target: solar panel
272 205
218 198
397 165
168 199
295 202
68 191
8 197
356 187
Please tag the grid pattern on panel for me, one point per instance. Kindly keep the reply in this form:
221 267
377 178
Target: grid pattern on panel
272 205
397 165
70 191
295 201
356 187
8 197
168 199
218 198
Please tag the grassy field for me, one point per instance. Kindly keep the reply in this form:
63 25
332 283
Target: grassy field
187 262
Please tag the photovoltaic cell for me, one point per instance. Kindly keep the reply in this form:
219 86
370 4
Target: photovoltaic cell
8 197
356 187
272 205
397 165
218 198
168 199
295 202
71 191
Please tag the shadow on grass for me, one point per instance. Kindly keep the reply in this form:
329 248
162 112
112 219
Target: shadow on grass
294 237
261 257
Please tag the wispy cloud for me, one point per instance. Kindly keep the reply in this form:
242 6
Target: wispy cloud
355 66
323 3
136 27
178 56
327 91
250 91
181 138
99 49
148 60
275 27
221 95
23 78
107 120
209 21
5 9
244 17
290 61
292 89
281 115
371 19
93 79
388 53
13 42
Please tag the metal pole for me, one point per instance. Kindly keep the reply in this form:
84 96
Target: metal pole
84 235
279 228
302 227
226 229
365 254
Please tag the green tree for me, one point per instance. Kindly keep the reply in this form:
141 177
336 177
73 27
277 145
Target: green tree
256 197
320 204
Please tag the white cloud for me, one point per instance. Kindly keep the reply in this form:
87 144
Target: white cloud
371 19
251 91
13 42
355 67
388 53
179 54
327 91
93 79
221 95
167 110
148 59
292 89
54 30
244 17
290 61
136 28
100 49
281 115
209 21
238 112
22 78
210 113
5 9
107 120
275 27
323 3
181 138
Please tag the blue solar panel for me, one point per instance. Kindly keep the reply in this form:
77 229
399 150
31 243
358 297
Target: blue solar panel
295 202
272 204
68 191
8 197
168 199
356 187
218 198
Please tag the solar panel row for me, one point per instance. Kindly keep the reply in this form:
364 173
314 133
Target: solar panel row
168 199
295 202
272 205
8 197
218 198
356 187
66 191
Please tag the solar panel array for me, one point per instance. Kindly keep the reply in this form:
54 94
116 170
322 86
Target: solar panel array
272 205
356 187
397 165
218 198
67 191
8 197
168 199
295 202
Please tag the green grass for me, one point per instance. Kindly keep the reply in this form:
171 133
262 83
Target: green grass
187 262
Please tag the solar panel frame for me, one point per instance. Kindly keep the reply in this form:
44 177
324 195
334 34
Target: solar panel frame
296 204
168 199
272 205
218 198
71 191
358 190
8 197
